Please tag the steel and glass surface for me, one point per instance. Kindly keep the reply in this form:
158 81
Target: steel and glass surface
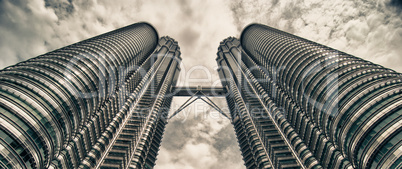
330 109
82 105
104 103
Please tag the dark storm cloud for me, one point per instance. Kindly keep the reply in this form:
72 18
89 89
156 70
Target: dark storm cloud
397 3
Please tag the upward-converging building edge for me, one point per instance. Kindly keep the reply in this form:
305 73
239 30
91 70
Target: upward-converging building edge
104 103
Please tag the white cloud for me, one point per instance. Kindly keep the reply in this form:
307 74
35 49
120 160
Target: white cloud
370 30
209 143
191 156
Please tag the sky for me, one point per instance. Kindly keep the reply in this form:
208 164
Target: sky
199 137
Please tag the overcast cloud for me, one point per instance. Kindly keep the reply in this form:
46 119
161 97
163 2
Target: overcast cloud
199 138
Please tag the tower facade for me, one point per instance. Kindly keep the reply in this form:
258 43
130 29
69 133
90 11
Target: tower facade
104 102
99 103
298 104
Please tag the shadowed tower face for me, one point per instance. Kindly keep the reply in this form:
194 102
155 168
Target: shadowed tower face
298 104
97 103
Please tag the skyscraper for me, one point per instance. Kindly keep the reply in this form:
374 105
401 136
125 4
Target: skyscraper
298 104
99 103
104 103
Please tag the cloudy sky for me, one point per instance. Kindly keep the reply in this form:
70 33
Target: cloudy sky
199 137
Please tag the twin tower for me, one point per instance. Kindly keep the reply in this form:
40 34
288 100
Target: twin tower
104 102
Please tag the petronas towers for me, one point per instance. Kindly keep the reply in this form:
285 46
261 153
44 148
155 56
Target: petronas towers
104 103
